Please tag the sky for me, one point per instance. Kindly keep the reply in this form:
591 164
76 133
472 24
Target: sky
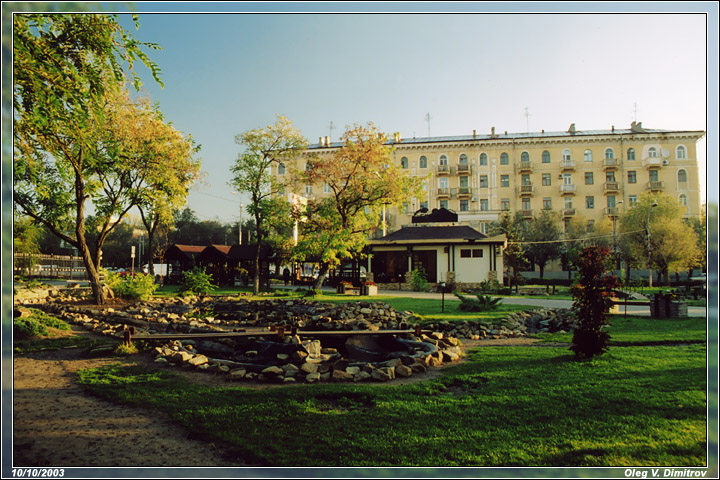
226 73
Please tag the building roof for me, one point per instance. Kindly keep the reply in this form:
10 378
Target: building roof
436 234
247 252
517 136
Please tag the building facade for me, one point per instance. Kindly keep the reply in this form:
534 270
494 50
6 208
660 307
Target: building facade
591 174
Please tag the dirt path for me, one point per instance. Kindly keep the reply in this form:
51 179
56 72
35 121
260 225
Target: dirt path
55 423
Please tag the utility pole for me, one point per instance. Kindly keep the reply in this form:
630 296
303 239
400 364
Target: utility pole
427 119
527 120
331 127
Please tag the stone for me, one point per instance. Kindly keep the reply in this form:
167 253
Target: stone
290 370
272 371
361 376
341 376
309 367
181 357
383 374
353 370
403 371
161 360
198 360
237 374
312 377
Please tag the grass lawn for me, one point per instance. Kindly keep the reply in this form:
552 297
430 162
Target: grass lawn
519 406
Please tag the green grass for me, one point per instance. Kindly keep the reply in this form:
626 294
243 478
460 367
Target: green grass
36 345
520 406
636 330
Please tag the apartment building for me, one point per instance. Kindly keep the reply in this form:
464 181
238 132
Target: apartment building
592 174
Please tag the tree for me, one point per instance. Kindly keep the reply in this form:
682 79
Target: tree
69 77
592 301
542 235
361 178
514 255
655 234
263 148
25 242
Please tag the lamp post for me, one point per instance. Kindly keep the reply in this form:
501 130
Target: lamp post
648 245
442 289
615 250
240 225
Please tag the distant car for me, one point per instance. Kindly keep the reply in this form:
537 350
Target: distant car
700 278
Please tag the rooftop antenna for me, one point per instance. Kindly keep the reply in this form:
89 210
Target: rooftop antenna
635 110
527 120
331 127
427 119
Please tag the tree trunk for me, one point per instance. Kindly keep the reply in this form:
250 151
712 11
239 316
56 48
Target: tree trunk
541 266
324 268
258 239
91 265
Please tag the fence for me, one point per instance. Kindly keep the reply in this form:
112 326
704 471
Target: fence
49 266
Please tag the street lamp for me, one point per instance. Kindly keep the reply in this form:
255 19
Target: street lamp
615 249
648 245
240 225
442 289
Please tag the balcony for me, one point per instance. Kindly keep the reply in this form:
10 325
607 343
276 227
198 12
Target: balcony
567 165
525 167
655 186
612 187
443 192
612 211
463 192
611 164
568 212
650 162
526 213
443 169
568 189
463 168
526 189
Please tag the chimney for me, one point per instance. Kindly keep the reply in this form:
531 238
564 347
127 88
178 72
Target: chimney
320 142
327 141
612 129
492 132
474 133
572 128
542 131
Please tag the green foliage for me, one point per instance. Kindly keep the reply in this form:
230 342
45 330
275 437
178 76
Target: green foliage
541 235
418 280
311 292
196 282
138 286
592 294
481 304
489 286
124 350
36 324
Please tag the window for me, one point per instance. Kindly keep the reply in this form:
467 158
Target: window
547 203
590 202
423 162
404 163
526 204
483 181
568 202
464 205
567 179
477 253
652 152
484 204
631 154
405 208
504 180
632 176
610 177
424 204
566 156
308 189
526 179
546 157
680 152
525 157
653 175
632 200
611 201
609 154
443 160
465 253
463 159
483 159
464 181
326 188
683 200
281 168
505 204
682 176
308 167
504 159
589 178
443 182
590 225
546 179
443 204
587 155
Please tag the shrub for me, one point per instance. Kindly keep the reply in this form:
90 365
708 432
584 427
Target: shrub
489 286
481 304
418 280
311 292
36 325
138 286
123 350
592 294
196 282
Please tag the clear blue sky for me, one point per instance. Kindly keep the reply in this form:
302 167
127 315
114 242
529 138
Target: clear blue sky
226 73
